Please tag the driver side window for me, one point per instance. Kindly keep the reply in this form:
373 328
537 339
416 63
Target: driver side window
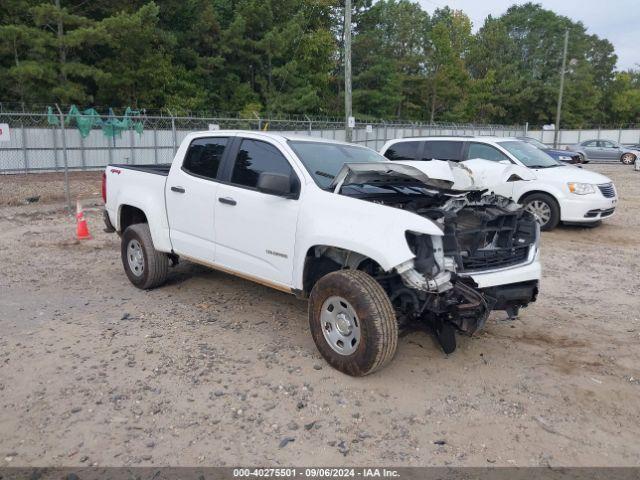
255 157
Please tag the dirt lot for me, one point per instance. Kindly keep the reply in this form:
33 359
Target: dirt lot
42 188
215 370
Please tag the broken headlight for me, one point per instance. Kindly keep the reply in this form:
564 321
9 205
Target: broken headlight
429 251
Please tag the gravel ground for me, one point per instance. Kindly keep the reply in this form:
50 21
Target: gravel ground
47 188
215 370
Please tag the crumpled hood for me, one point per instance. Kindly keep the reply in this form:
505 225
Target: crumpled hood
380 173
476 174
487 174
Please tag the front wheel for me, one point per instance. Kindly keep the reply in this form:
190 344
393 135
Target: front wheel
545 208
145 267
628 158
352 322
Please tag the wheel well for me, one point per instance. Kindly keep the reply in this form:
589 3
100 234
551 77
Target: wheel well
322 259
130 215
533 192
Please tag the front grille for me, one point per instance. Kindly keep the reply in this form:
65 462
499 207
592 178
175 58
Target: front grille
485 238
608 190
488 259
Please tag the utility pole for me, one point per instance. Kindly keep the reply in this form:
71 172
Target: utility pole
347 70
562 72
62 53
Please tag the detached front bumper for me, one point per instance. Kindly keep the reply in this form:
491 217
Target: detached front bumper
530 270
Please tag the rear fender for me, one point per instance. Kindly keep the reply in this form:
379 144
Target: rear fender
156 218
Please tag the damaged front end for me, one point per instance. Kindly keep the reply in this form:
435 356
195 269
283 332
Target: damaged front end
482 234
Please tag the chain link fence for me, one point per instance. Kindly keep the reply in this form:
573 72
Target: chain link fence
570 137
31 144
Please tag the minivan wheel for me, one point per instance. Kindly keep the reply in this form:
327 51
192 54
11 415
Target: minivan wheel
145 267
545 208
352 322
628 158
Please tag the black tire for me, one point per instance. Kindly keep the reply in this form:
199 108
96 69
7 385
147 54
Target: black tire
583 158
377 321
155 265
628 158
551 202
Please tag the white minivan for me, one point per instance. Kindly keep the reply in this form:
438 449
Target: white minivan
559 193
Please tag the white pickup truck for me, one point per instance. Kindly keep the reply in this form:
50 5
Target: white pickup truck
374 245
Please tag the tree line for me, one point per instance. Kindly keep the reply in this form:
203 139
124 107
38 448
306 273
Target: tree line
285 56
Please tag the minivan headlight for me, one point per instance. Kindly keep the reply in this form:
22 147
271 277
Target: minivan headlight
581 188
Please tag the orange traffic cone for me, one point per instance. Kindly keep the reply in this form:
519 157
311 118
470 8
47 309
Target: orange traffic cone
82 230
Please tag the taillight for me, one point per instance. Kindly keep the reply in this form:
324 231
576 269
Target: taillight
104 187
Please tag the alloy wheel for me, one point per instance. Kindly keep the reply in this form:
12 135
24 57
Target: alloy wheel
541 210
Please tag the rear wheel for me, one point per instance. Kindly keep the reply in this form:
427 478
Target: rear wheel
545 208
628 158
145 267
352 322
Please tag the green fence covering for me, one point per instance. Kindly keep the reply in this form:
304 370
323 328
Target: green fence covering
89 119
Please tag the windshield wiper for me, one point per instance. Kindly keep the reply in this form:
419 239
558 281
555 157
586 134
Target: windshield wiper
543 166
325 174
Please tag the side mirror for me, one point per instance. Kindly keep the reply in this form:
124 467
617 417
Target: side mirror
274 184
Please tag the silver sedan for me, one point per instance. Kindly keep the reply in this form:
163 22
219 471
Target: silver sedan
605 150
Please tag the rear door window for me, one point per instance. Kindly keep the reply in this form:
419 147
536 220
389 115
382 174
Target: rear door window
204 156
442 150
403 151
485 152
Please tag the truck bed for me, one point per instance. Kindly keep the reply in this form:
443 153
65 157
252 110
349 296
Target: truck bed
155 168
139 187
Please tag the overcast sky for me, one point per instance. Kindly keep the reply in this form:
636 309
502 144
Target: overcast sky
616 20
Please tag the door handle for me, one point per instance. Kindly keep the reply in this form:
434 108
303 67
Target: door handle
178 189
227 200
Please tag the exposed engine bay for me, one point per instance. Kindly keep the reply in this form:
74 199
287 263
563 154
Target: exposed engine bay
483 232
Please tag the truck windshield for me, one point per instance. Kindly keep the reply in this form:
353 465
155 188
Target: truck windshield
529 155
324 160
